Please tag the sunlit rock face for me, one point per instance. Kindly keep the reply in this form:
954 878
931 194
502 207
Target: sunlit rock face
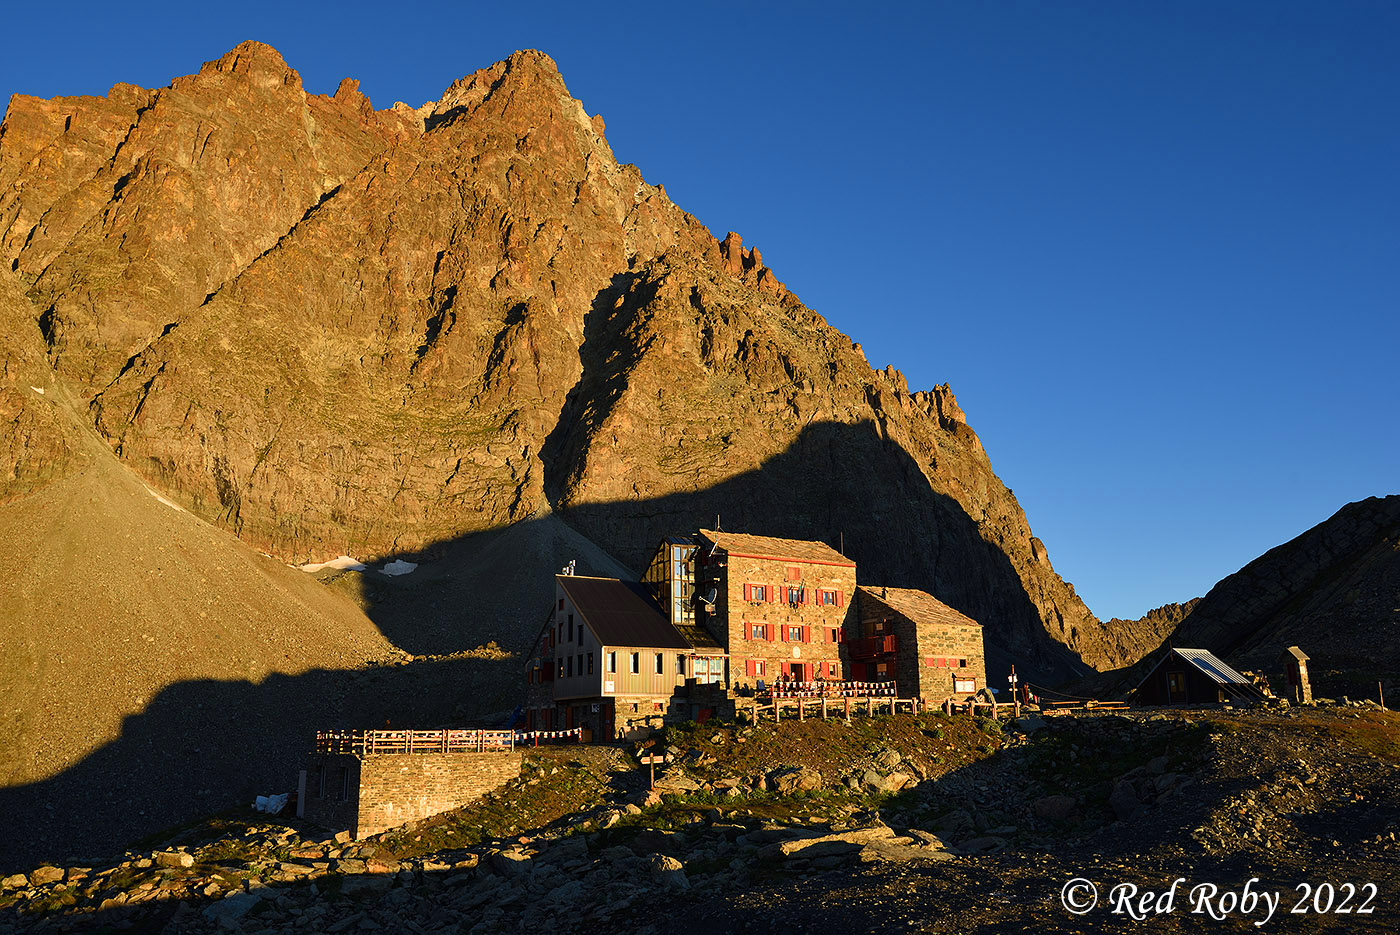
337 330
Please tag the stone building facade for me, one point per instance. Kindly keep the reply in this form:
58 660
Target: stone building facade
367 794
929 649
782 607
719 615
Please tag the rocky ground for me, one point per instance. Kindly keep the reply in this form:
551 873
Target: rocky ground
890 823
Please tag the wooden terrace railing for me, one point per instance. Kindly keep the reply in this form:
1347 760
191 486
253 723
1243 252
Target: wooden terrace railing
374 742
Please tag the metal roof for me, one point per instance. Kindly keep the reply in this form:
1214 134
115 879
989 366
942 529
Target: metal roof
1296 653
621 613
1206 662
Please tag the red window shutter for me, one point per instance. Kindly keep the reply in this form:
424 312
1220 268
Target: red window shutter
840 599
787 670
747 631
806 634
748 667
772 635
748 592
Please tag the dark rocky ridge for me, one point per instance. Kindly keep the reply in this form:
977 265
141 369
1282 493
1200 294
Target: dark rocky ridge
1334 590
339 330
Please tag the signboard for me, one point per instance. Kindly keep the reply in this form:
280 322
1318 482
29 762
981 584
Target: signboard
609 686
964 685
654 758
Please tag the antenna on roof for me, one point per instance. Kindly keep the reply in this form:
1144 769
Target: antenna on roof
842 550
717 529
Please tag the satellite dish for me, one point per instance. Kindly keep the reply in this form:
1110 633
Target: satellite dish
710 596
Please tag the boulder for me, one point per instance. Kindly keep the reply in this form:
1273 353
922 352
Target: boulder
793 779
173 859
668 871
893 852
928 839
956 822
511 863
227 911
15 881
888 759
844 842
1055 807
1124 800
45 875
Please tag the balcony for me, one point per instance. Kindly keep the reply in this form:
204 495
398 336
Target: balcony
873 646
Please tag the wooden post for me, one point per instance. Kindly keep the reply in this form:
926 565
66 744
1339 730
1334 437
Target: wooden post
823 707
1380 689
777 711
847 700
1015 694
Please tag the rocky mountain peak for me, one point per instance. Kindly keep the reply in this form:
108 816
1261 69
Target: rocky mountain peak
258 62
336 330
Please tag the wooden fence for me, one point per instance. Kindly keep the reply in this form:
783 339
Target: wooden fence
374 742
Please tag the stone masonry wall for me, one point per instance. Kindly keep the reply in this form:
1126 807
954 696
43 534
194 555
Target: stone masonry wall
924 641
389 790
947 641
399 788
778 646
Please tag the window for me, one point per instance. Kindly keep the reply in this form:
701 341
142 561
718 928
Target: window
962 663
794 595
833 634
831 669
561 603
680 665
636 663
612 661
756 592
660 664
754 668
793 635
561 667
344 784
571 628
590 663
794 574
828 598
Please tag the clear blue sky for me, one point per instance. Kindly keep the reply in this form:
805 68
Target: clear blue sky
1154 247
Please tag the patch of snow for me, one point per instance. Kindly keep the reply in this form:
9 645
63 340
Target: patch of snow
399 567
38 389
173 506
343 563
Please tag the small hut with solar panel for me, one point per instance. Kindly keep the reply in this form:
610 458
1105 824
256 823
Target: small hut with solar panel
1193 676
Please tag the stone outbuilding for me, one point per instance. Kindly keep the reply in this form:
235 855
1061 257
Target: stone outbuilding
931 651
